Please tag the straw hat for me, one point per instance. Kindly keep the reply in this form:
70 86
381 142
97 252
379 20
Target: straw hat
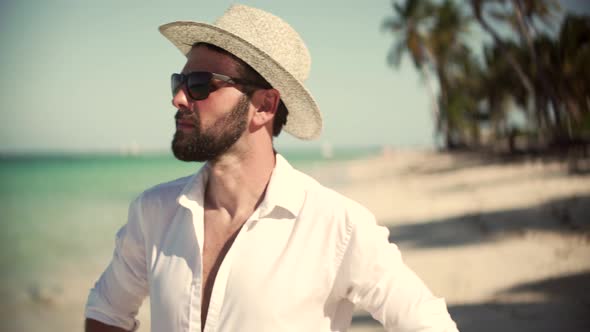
271 47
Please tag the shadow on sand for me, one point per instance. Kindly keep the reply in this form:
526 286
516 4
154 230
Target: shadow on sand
565 306
564 216
577 160
556 304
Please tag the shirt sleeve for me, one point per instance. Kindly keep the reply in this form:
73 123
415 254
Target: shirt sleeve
373 276
120 290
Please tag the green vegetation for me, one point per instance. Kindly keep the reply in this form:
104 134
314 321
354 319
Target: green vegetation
531 67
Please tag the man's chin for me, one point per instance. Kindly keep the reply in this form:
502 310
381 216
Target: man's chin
187 153
182 148
191 152
186 158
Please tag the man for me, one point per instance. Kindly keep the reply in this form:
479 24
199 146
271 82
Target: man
249 243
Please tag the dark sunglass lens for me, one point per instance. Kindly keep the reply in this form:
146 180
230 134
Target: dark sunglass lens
198 85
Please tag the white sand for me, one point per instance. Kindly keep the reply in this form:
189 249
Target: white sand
507 245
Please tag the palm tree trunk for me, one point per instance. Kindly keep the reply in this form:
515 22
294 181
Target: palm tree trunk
447 126
433 102
526 82
546 87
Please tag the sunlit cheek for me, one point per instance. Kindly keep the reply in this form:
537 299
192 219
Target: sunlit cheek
209 111
219 102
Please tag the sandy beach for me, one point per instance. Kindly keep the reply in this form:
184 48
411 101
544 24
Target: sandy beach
506 244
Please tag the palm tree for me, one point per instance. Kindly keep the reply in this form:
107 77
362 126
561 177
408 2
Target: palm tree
447 47
500 88
409 25
572 64
521 15
432 35
525 13
478 12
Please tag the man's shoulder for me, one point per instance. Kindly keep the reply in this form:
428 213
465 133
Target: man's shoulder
164 192
329 212
329 201
157 204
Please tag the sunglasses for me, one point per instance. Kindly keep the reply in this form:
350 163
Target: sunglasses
200 84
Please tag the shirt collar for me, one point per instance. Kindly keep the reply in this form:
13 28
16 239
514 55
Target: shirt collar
192 195
284 190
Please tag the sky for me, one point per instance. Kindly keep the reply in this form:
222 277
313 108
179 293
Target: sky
93 76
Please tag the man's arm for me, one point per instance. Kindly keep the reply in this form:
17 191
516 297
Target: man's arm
373 276
92 325
122 287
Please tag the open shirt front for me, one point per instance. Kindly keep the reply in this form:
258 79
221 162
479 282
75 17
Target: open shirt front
301 262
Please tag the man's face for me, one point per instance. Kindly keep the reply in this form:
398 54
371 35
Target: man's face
206 129
192 143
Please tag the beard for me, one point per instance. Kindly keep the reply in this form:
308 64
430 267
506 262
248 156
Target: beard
209 144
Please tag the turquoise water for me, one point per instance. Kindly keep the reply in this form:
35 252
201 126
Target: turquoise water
59 214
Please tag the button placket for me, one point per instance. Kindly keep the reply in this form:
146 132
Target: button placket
196 283
220 285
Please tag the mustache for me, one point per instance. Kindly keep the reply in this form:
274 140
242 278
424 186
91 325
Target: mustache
185 115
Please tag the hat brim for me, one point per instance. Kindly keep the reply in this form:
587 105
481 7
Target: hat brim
304 120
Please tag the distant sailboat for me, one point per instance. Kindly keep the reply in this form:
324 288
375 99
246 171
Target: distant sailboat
132 149
327 151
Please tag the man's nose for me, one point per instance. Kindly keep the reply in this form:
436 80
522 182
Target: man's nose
180 100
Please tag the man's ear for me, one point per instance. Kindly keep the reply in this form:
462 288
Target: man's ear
266 102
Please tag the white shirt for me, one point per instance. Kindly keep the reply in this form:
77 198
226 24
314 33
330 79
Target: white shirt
301 262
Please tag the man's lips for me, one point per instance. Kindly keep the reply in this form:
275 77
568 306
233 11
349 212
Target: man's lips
185 125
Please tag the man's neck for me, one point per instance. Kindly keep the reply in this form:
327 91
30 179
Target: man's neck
237 182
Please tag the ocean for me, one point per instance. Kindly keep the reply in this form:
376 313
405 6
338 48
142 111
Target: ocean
59 216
